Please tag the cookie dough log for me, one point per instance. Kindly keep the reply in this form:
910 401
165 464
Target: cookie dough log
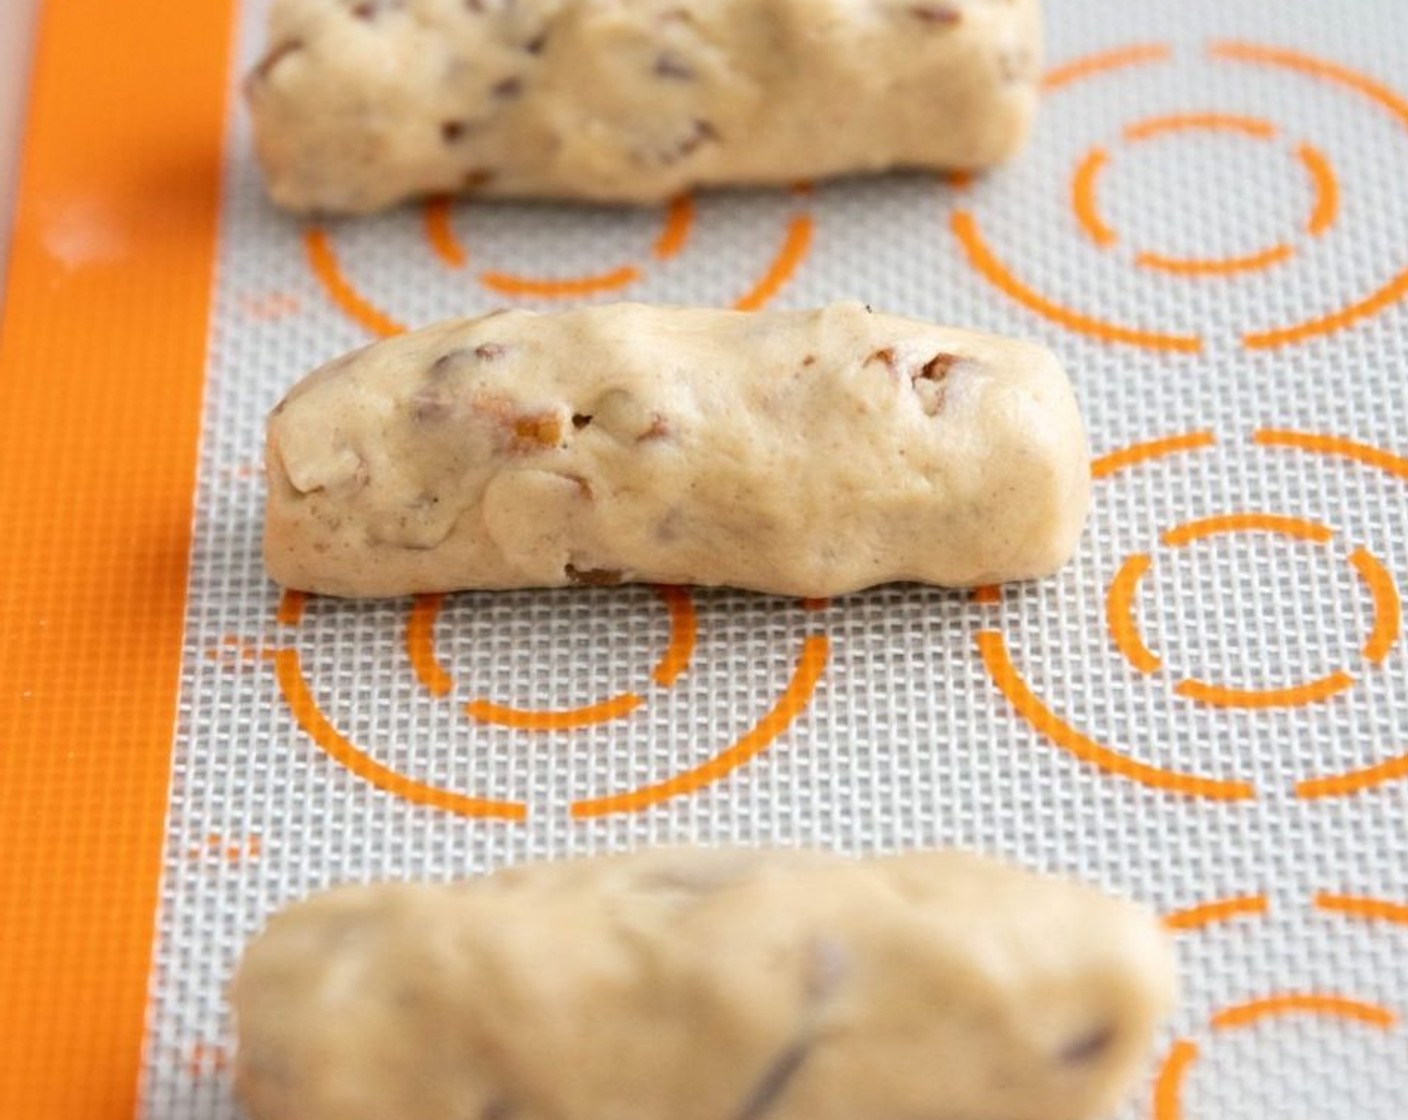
805 453
358 104
704 985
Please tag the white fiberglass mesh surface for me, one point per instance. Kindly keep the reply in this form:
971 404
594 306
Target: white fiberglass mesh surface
1208 710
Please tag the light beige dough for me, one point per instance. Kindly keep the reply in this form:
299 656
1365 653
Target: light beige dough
806 453
358 104
704 985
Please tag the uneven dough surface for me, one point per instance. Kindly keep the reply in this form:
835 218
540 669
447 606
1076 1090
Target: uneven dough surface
358 104
704 985
805 453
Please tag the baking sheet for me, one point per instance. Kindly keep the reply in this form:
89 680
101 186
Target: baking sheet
1208 710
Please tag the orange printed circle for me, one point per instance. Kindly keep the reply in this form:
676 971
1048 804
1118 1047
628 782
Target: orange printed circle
420 648
1125 631
979 254
293 685
1183 1054
676 231
1084 193
1178 1062
1118 761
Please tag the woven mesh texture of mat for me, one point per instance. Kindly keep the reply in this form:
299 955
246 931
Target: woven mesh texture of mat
1207 710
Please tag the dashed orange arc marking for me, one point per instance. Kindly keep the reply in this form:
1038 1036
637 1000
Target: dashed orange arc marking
292 604
441 234
322 259
679 220
684 632
1371 88
1337 446
1215 266
1381 299
811 663
1358 906
299 697
1327 189
1388 608
982 259
420 645
1168 1087
1396 288
1206 122
1298 528
1211 913
1119 613
525 719
1294 696
505 283
1115 461
674 235
1304 1003
420 649
1105 61
1083 198
1173 1071
1354 781
795 247
993 649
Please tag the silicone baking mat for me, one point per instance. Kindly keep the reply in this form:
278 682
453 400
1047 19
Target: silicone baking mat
1207 710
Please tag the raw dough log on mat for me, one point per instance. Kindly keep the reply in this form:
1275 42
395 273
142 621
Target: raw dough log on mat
704 985
805 453
358 104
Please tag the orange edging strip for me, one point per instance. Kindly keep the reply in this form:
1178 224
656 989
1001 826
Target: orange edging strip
1388 608
1318 68
988 594
1083 198
789 258
102 365
420 645
1168 1089
1296 696
1327 189
1354 781
1245 1014
322 259
1342 448
1298 528
305 710
1213 122
507 284
1116 461
965 228
679 220
441 234
1119 611
684 631
993 649
810 665
1215 266
526 719
1210 913
1101 63
1371 909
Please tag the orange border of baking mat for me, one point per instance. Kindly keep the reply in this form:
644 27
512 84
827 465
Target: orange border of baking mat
102 360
